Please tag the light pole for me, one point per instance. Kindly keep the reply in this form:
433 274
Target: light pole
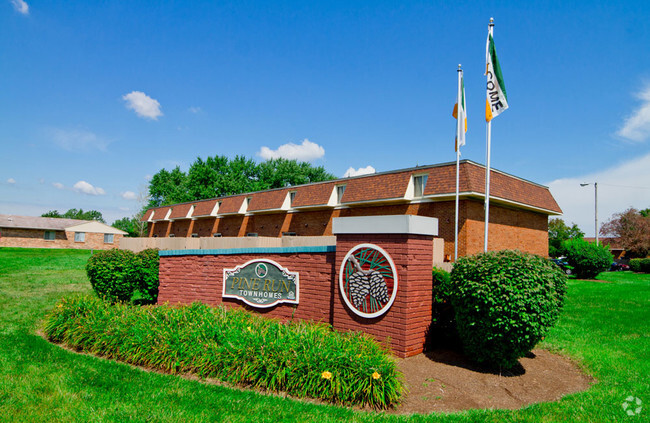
595 206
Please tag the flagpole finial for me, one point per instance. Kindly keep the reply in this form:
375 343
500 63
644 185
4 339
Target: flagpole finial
459 68
491 21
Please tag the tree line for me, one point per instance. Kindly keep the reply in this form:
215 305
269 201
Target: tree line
631 228
220 176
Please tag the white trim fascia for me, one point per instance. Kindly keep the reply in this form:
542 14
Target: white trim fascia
481 195
243 209
169 212
410 189
215 209
190 212
332 200
286 204
383 200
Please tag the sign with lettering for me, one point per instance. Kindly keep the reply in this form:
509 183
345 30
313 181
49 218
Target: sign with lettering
261 283
368 280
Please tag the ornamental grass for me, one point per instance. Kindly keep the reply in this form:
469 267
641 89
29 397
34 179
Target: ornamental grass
302 359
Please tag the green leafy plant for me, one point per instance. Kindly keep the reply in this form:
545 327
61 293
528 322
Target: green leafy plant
114 274
443 323
504 303
148 263
300 358
640 265
587 259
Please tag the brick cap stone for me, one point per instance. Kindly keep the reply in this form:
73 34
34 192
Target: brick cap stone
393 224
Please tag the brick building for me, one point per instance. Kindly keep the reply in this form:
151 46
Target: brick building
49 232
519 209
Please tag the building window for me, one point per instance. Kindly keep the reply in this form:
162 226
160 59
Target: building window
419 183
49 236
292 196
79 237
195 235
339 193
108 238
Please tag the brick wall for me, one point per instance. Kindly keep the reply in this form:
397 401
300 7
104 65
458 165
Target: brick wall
406 323
185 279
35 238
188 278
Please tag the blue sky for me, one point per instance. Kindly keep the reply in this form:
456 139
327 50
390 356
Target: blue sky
98 96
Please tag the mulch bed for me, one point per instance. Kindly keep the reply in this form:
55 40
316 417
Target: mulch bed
444 380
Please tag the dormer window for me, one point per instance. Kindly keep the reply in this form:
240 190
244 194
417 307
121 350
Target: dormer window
340 190
292 196
419 182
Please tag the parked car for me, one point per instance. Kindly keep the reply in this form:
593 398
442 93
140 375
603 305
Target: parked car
617 267
563 265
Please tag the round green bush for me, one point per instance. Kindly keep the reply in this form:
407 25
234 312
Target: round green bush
587 259
114 274
504 303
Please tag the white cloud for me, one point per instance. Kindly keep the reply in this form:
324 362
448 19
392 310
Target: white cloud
357 172
306 151
195 110
148 177
637 126
143 105
11 181
21 6
58 185
620 187
86 188
78 140
129 195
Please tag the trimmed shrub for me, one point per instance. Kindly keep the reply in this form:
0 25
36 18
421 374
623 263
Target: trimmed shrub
504 304
300 358
587 259
640 265
443 324
114 274
148 279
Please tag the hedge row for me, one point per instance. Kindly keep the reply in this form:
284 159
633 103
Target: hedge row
299 358
641 265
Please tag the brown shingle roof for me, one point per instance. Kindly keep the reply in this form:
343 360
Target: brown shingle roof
204 208
160 213
268 200
314 194
180 211
31 222
376 187
231 204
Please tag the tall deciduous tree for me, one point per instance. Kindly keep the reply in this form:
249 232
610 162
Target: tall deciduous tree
76 214
558 232
632 229
219 176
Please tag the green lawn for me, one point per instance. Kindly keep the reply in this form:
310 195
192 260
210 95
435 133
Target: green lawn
605 327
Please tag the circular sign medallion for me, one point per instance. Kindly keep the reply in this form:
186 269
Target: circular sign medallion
368 280
261 270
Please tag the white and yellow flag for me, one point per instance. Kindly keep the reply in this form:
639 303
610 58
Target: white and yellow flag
460 113
497 99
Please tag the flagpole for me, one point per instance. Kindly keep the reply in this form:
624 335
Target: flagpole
459 121
487 165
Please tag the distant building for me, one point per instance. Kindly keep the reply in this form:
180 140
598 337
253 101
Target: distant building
50 232
519 209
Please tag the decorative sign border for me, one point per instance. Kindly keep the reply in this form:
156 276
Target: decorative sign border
384 266
261 270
